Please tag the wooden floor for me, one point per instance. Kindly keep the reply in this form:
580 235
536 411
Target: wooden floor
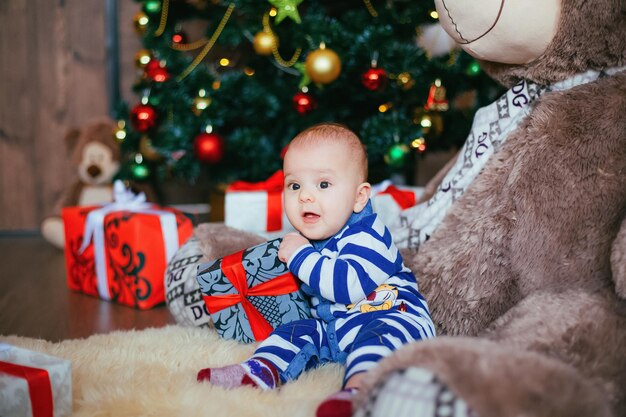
35 301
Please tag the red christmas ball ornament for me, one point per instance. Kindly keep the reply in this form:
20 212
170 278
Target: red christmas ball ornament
143 117
156 71
208 147
304 103
374 79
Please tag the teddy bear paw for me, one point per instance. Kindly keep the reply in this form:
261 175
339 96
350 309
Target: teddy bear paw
414 392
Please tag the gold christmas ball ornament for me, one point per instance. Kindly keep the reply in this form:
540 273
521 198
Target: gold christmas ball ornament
140 22
264 42
323 65
148 151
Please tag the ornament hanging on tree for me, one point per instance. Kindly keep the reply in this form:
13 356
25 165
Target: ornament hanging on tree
304 103
140 23
265 42
436 100
152 6
323 65
374 79
143 117
155 70
140 170
396 155
208 148
473 69
148 151
286 8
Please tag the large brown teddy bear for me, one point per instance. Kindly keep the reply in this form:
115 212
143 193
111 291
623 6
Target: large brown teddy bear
525 272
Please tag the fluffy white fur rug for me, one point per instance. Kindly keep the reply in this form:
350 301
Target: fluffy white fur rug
153 373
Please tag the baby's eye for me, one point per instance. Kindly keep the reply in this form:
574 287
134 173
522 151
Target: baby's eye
293 186
324 184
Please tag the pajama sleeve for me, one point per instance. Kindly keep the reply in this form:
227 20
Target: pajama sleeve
365 259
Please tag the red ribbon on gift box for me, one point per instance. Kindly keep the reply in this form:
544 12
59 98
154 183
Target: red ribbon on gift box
232 267
405 199
39 386
274 188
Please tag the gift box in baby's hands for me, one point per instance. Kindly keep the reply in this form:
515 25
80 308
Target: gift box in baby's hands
257 207
251 292
119 252
34 384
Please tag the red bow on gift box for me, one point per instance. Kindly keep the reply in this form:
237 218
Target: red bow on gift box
405 199
39 387
274 188
232 267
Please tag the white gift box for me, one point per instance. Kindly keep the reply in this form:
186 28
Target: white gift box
257 207
247 210
386 206
25 389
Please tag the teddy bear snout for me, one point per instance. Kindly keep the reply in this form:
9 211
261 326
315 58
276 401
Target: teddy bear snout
94 171
464 30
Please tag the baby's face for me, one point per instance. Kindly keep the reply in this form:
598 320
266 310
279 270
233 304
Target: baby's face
321 188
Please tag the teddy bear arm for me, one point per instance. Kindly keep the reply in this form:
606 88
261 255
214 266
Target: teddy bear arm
218 240
547 356
488 378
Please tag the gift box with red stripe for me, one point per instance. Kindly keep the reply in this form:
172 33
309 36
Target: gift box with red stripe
119 252
257 207
34 384
251 292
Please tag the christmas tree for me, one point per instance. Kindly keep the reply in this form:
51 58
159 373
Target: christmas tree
223 103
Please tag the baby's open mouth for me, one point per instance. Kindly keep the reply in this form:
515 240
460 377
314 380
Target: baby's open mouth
310 217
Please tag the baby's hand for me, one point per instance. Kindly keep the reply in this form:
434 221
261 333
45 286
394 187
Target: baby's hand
291 242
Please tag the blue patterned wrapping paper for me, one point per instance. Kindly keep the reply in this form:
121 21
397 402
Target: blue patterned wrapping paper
261 264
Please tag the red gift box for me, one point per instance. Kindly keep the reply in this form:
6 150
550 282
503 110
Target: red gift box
126 253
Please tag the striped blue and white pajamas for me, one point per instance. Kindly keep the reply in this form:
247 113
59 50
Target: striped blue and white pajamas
365 304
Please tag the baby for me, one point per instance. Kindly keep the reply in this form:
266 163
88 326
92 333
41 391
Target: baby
365 302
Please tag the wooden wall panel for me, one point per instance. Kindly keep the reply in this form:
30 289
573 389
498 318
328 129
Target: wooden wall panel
16 127
130 44
52 73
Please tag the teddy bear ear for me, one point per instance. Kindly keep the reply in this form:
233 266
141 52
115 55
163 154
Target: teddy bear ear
71 138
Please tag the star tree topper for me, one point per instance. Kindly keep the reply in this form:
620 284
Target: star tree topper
286 8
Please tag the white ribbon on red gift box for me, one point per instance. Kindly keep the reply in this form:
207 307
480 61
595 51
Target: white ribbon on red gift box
124 200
